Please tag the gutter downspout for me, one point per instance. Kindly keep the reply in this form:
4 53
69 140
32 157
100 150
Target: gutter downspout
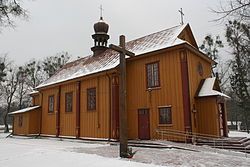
58 112
78 97
110 109
41 114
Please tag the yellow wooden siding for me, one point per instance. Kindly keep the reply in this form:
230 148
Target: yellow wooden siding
68 119
36 100
95 124
207 115
49 119
169 93
24 129
34 121
194 81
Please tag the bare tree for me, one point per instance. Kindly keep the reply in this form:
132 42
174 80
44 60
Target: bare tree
22 88
237 9
34 73
2 68
10 9
51 64
8 88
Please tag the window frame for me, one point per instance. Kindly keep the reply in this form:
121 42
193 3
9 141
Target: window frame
89 106
167 121
51 111
152 75
66 102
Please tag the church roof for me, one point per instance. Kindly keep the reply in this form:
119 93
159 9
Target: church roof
110 59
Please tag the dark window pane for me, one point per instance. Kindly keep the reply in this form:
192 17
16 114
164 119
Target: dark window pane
152 71
91 98
68 101
51 103
165 115
20 120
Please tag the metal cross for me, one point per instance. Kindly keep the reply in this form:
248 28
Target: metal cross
182 14
101 10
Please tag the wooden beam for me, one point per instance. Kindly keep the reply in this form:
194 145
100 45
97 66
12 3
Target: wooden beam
123 121
122 101
121 50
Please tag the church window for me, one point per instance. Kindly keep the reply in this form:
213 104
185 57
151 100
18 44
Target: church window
165 115
68 101
152 71
20 120
51 103
91 98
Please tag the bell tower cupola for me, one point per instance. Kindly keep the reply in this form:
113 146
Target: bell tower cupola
100 37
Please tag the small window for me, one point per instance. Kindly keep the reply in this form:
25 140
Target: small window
20 120
51 104
91 99
68 101
152 71
165 115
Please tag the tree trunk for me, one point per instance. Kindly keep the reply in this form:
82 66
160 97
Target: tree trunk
6 128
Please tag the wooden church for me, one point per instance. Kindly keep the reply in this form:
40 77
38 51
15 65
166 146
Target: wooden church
169 87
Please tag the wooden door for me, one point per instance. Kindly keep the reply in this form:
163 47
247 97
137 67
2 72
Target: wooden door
143 124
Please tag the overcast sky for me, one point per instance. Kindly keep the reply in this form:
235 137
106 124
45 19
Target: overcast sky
67 25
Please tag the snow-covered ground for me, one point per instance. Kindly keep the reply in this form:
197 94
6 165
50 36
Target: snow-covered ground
28 152
238 134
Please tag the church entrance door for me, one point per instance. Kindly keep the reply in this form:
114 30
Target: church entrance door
143 124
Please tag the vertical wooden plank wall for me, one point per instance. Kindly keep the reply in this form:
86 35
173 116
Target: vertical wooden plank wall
95 123
34 121
49 119
208 116
68 119
21 130
169 92
194 81
36 100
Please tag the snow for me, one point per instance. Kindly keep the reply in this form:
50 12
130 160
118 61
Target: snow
29 152
24 110
238 134
207 89
110 59
33 92
43 152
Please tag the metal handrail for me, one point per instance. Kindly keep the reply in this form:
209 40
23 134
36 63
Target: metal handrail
193 133
186 135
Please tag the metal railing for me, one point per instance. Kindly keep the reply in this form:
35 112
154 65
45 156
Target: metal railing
191 137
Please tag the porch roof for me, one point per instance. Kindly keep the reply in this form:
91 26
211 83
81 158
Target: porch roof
207 89
24 110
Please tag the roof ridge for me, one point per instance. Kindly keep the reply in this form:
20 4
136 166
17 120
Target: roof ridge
88 56
184 25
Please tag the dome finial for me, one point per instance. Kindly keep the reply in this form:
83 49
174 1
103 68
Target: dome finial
101 10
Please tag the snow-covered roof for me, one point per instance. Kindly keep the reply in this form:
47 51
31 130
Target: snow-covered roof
110 59
207 89
33 92
24 110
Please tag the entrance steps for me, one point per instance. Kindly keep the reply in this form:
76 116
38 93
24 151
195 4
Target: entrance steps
155 144
241 144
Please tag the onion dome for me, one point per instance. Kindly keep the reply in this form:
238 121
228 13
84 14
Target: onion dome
101 26
100 37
